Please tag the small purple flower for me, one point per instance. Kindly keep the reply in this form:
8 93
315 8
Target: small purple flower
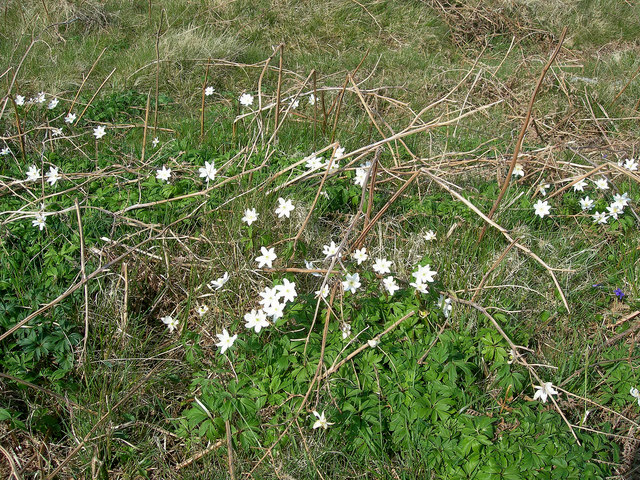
619 293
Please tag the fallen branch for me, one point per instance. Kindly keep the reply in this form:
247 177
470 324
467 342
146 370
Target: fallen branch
505 233
525 125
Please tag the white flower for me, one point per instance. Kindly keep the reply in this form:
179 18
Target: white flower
351 282
208 172
209 91
335 165
56 132
339 152
155 142
52 175
544 391
391 285
586 203
270 297
424 274
512 356
275 311
246 99
309 265
346 331
164 174
285 208
5 151
321 422
518 171
250 216
218 283
361 176
99 131
287 291
541 208
171 323
330 250
430 236
445 305
373 343
602 183
53 103
202 309
70 117
33 173
294 104
40 98
19 100
420 286
382 266
38 221
267 257
631 165
623 199
314 162
579 186
544 188
361 255
256 320
599 217
615 209
323 292
312 99
226 341
635 393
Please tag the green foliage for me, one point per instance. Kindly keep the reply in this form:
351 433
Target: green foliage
385 403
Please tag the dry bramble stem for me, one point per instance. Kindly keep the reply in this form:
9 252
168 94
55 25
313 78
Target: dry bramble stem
505 233
525 125
519 357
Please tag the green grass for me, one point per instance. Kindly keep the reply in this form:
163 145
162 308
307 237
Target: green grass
465 412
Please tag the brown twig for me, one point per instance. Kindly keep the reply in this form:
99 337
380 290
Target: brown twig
313 205
505 233
311 384
227 427
204 88
616 338
84 79
373 120
12 464
525 125
372 186
279 87
366 229
334 368
94 96
21 136
144 131
155 115
519 357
